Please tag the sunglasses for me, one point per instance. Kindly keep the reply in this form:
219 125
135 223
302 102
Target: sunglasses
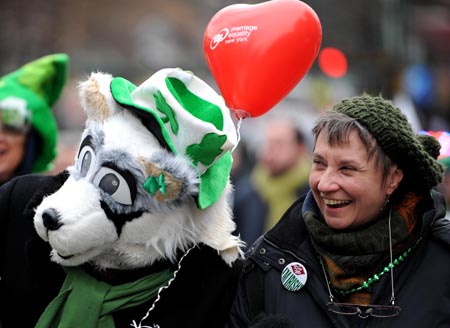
367 310
15 119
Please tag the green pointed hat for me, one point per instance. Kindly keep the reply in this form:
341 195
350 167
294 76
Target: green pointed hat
37 86
187 115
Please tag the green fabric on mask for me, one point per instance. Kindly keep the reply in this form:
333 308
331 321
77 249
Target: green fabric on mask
86 302
198 107
154 184
186 108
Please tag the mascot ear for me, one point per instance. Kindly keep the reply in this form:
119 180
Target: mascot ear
96 98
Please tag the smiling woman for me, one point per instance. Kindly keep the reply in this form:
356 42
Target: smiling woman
372 222
343 167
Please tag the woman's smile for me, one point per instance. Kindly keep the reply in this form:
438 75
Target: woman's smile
340 177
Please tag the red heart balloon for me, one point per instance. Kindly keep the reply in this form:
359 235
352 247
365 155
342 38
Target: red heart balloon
258 53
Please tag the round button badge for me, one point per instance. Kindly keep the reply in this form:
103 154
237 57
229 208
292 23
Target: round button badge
294 276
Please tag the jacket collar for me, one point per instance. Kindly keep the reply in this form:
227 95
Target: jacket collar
290 231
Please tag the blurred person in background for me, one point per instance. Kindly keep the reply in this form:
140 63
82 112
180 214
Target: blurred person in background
279 176
28 129
28 141
243 161
369 245
444 187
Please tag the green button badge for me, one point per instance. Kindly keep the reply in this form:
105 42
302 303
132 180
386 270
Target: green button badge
294 276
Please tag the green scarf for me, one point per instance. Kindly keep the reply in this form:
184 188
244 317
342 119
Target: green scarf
350 257
86 302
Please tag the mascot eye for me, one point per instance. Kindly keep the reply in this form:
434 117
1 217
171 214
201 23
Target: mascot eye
86 160
114 184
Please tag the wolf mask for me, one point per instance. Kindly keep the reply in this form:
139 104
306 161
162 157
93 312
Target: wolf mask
151 177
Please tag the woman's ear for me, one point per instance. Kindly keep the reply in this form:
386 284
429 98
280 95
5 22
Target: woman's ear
395 178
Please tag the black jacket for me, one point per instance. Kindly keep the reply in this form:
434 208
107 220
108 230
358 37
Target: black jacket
422 280
251 210
200 295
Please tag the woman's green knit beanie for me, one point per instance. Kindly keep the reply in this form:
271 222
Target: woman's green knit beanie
415 155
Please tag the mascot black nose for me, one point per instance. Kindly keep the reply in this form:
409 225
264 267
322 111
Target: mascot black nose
50 218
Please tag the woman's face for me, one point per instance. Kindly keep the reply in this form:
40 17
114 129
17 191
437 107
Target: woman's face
347 186
12 149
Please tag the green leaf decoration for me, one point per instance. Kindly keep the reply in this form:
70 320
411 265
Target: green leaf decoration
165 108
207 150
153 184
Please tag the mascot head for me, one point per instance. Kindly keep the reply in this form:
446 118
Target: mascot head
151 177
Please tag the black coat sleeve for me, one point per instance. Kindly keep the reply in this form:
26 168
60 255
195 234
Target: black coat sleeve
29 280
248 304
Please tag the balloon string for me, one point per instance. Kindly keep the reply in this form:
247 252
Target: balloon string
238 131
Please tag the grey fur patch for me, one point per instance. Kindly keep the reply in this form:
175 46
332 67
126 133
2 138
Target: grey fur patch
179 167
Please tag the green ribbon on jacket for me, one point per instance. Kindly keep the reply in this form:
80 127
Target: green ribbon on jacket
83 301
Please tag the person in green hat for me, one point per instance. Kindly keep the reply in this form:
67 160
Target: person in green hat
28 129
369 244
159 249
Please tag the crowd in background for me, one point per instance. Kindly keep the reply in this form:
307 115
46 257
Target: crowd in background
273 159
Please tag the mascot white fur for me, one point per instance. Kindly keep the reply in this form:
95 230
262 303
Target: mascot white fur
142 223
